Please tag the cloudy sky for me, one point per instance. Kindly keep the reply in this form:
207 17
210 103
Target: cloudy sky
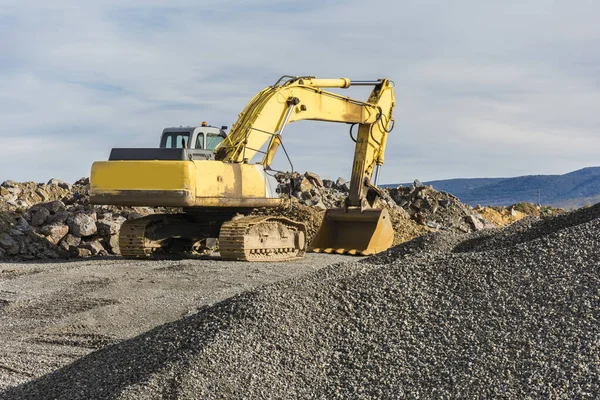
484 88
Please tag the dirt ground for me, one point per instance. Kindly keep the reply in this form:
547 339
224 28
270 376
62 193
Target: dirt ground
52 313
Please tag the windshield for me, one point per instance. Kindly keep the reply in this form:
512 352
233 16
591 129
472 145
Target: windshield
175 140
212 140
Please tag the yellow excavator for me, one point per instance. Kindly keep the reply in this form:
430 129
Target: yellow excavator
212 176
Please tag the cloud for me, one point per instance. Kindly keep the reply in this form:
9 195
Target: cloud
483 88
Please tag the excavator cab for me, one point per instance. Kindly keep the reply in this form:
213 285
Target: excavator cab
198 138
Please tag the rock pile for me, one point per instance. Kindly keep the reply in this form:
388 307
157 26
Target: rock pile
423 204
405 229
437 210
310 190
54 230
22 195
55 220
508 313
310 196
502 216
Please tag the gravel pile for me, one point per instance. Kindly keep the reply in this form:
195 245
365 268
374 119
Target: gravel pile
511 313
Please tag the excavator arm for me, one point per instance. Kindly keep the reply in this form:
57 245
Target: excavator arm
355 228
302 98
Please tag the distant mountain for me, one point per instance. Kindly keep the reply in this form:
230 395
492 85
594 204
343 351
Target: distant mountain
574 189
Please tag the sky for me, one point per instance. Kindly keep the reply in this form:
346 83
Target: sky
483 88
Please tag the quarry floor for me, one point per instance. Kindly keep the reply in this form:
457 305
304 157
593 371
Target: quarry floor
52 313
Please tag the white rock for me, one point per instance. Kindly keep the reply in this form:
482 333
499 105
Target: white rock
82 225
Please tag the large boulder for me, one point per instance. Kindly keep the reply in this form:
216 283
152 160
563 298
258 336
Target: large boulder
95 247
342 184
314 179
69 242
40 216
82 252
302 184
478 223
82 181
82 225
21 227
134 215
52 206
54 232
55 206
107 227
9 244
60 217
59 183
114 244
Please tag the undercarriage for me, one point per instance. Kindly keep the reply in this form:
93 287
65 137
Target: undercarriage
204 231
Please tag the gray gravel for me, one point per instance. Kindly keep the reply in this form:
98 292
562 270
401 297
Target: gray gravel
511 313
52 313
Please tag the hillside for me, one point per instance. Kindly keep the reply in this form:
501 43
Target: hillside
573 189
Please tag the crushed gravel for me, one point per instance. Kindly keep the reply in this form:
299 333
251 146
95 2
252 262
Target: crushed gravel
508 313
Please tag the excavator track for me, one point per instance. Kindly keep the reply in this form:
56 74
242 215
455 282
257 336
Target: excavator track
249 238
132 238
262 238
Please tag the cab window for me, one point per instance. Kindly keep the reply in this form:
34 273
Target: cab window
199 141
212 140
176 140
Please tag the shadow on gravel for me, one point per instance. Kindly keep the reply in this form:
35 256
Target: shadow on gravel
525 231
105 373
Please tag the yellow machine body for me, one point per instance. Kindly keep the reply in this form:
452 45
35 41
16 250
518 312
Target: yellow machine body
203 183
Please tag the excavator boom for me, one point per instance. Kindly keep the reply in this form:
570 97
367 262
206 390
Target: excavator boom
354 229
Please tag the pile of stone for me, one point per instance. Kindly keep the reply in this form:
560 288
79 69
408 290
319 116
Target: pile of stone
55 220
423 204
505 215
309 189
438 210
22 195
54 230
310 196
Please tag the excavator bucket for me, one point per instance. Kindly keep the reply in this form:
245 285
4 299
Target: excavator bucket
354 232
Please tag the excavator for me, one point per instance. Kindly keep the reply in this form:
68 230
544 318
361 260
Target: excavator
214 178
